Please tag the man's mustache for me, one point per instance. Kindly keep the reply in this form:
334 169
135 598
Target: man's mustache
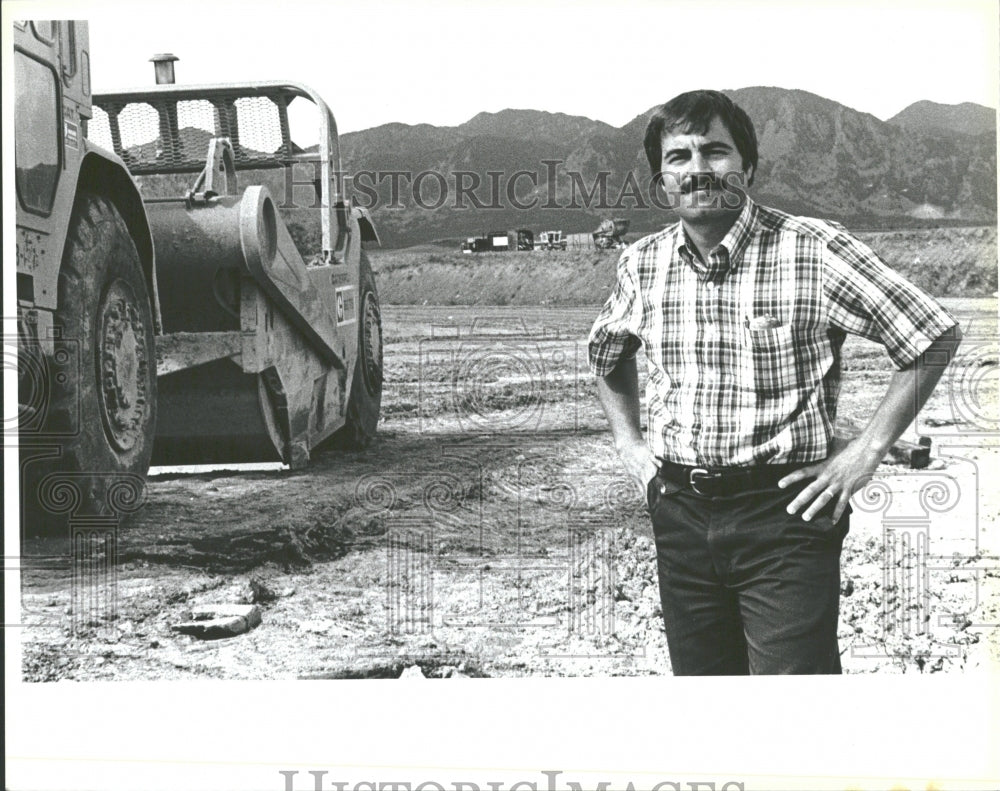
700 181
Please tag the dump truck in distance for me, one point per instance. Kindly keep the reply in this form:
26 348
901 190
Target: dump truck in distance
610 235
578 241
165 313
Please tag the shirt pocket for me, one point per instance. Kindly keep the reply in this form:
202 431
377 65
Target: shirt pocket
770 360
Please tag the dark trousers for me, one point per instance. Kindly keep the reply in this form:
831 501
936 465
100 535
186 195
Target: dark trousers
745 587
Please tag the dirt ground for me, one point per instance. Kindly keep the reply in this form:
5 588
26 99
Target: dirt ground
490 532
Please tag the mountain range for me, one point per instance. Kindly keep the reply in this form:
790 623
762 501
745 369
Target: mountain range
966 118
930 162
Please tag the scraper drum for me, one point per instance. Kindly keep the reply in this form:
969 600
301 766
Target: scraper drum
216 261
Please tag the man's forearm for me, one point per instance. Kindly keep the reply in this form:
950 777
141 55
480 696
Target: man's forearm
618 393
843 472
907 393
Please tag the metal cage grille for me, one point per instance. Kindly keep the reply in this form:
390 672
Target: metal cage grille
169 134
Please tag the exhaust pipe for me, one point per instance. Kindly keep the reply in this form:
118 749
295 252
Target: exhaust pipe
163 65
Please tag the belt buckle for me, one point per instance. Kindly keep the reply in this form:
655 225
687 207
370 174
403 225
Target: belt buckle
701 472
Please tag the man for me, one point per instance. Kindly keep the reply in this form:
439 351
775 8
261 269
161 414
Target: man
742 311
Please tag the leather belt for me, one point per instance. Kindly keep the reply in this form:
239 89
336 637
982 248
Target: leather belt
721 481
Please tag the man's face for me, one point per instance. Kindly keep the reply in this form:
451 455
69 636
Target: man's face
702 174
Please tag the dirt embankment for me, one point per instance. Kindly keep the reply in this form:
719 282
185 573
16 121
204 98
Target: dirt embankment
956 262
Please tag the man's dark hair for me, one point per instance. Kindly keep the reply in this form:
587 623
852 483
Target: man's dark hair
693 112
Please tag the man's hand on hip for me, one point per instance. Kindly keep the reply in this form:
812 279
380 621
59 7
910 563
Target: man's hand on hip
850 465
618 392
639 463
841 474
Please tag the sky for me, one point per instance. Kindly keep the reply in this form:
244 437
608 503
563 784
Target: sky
443 62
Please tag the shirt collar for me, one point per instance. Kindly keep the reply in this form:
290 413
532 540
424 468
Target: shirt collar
730 249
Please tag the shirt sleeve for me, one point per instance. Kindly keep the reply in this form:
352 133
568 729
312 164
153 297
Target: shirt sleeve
613 337
868 298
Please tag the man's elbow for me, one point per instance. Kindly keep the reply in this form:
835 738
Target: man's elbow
942 349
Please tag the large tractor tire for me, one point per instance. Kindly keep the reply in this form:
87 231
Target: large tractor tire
365 399
101 410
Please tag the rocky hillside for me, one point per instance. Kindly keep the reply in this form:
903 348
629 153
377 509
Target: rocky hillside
965 119
818 156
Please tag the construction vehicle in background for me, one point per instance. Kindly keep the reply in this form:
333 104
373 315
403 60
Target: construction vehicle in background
164 312
551 240
520 239
579 241
610 235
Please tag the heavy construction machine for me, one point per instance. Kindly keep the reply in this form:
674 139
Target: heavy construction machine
610 234
519 239
164 310
551 240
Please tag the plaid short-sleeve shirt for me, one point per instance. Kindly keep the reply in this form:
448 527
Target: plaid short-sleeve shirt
744 351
